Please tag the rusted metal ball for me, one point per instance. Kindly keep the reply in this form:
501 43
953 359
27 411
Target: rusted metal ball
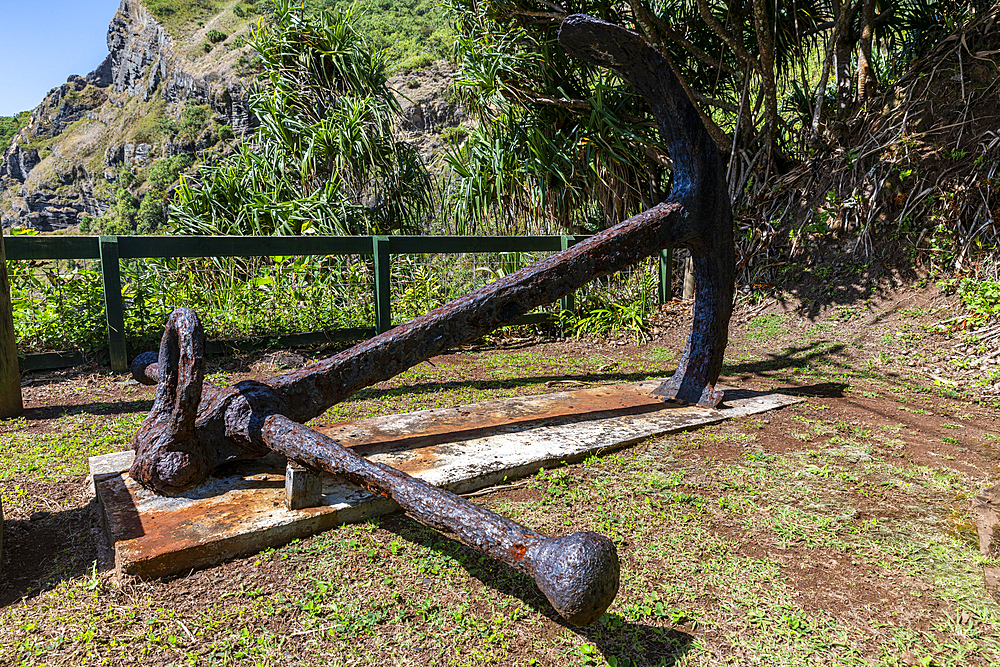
578 573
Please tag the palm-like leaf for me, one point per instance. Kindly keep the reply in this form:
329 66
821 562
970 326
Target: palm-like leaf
325 155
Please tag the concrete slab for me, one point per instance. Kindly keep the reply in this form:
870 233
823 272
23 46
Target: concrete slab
109 464
242 510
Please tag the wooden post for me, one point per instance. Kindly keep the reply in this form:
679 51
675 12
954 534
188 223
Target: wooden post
568 302
11 402
688 293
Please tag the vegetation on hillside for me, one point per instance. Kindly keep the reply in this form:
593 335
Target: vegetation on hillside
413 33
181 14
325 157
555 134
138 197
9 125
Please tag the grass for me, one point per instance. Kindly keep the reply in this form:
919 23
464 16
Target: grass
179 15
766 326
811 535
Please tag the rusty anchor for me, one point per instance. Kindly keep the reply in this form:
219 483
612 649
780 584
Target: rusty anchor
577 573
193 428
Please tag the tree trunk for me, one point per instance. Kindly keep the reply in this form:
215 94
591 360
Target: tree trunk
866 77
688 292
765 40
843 51
838 29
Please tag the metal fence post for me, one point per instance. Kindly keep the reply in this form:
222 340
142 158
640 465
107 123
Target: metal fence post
568 302
383 288
666 292
114 309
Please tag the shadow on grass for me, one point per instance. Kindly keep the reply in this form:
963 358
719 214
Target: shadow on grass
800 356
612 635
432 387
41 552
98 408
853 282
821 390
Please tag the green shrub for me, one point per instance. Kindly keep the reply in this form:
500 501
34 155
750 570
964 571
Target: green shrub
9 125
455 134
194 119
164 173
615 318
980 297
216 36
150 216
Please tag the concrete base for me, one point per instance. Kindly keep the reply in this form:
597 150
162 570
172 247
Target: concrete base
242 509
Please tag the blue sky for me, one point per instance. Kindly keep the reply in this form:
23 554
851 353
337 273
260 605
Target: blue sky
42 42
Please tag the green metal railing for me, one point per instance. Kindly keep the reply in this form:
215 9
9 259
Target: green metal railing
110 250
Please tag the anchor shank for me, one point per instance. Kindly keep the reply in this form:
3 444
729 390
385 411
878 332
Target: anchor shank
309 391
699 185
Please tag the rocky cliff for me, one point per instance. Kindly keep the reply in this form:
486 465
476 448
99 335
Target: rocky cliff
131 109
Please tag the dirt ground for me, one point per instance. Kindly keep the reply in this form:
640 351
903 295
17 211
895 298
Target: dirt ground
833 531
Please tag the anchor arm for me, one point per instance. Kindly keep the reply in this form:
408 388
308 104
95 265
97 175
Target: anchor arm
699 186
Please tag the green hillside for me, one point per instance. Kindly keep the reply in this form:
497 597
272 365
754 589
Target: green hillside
9 125
415 32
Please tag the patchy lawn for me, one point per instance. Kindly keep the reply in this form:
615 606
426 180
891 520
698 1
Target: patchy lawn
836 531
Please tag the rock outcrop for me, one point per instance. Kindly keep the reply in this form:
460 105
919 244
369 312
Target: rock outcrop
129 111
56 168
427 107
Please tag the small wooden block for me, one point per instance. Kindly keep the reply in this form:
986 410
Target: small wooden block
303 487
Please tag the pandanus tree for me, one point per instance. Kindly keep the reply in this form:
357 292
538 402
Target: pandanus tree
325 156
568 145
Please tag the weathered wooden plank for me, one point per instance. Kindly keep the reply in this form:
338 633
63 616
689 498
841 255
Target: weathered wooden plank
44 361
